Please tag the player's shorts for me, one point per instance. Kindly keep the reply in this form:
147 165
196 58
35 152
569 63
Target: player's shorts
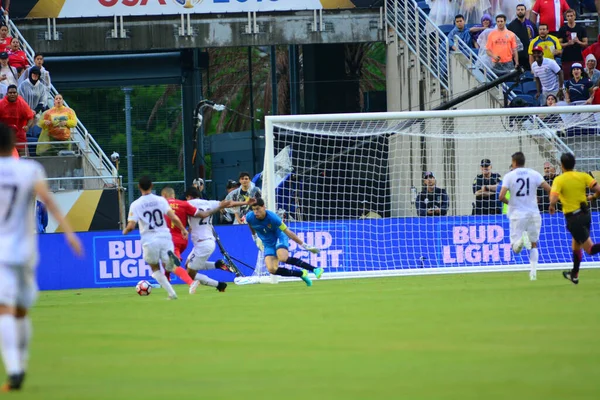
199 255
530 223
579 225
283 242
18 286
156 249
179 248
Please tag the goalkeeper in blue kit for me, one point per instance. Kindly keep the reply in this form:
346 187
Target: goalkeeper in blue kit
272 237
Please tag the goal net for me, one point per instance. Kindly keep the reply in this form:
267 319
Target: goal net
416 192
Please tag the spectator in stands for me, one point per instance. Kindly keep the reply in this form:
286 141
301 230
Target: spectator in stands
573 39
15 112
595 97
548 75
4 38
525 31
486 23
34 92
56 124
543 197
485 199
442 12
473 10
247 190
460 31
432 201
17 57
6 6
593 49
550 44
549 13
38 61
501 46
8 74
578 89
590 70
227 214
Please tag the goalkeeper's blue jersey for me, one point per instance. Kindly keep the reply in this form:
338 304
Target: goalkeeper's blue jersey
268 229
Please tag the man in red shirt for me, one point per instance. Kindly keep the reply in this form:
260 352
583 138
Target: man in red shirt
549 13
15 112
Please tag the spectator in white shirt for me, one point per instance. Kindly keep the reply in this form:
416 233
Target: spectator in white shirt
8 74
548 75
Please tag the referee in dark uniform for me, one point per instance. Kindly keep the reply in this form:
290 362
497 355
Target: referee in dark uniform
486 202
570 189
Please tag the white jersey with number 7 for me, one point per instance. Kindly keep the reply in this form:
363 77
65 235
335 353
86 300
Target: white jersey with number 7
522 184
149 212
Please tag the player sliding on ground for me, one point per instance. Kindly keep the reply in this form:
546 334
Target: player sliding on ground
272 236
204 240
150 211
570 189
20 182
523 212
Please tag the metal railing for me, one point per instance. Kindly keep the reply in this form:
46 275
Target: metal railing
89 147
424 38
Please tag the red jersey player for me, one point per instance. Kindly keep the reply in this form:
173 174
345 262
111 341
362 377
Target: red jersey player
182 209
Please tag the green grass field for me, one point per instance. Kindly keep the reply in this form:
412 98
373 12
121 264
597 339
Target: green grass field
474 336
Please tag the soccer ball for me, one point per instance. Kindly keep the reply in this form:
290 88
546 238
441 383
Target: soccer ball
143 288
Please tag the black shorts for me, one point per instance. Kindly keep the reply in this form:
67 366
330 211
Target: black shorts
579 225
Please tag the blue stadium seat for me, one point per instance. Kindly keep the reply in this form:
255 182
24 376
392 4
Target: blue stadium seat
530 100
530 88
446 28
516 90
424 6
527 76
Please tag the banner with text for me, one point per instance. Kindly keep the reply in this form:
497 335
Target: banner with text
347 246
106 8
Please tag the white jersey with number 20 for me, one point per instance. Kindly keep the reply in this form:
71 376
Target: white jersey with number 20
18 240
522 184
149 212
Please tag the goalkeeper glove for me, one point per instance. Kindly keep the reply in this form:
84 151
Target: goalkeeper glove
310 248
258 242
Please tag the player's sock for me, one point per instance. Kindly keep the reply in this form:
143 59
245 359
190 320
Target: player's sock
162 279
577 255
206 281
299 263
288 272
534 256
183 275
595 249
24 333
9 344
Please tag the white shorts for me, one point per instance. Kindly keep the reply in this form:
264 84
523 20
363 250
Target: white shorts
530 223
156 250
18 286
199 255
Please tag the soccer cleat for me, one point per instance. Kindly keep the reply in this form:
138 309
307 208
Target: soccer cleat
305 278
569 276
221 286
174 259
518 246
532 276
194 286
525 240
172 297
318 272
13 383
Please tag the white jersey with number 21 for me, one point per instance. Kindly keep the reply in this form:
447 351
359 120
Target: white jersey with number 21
522 184
149 212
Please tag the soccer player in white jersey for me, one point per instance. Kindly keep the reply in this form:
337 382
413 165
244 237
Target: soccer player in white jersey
20 181
157 246
523 212
204 239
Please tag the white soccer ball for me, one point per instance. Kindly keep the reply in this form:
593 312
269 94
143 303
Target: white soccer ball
143 288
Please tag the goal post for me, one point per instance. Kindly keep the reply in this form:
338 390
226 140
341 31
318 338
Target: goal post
359 186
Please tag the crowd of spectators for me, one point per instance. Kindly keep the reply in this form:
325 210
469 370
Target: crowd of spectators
25 100
513 37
